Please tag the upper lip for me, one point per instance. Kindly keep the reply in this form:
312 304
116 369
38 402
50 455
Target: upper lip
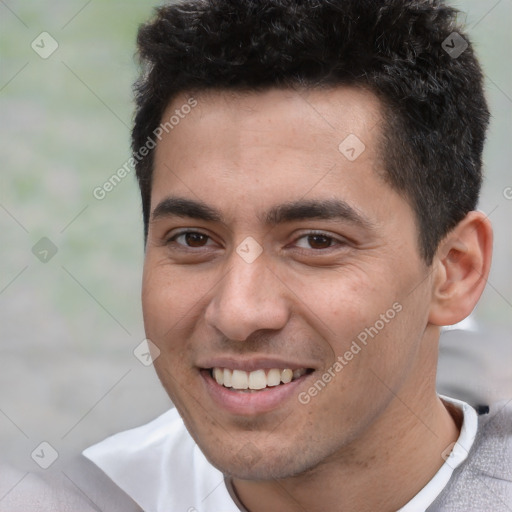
251 364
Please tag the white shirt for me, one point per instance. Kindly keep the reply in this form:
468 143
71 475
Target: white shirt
162 469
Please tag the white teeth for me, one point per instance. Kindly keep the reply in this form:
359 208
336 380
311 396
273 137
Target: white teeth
274 377
240 379
218 374
227 374
258 379
286 376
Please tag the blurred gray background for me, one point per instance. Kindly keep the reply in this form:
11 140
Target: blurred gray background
70 321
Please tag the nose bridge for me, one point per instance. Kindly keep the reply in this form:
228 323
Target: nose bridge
249 298
246 281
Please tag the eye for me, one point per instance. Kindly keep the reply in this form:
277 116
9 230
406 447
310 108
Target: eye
191 239
317 241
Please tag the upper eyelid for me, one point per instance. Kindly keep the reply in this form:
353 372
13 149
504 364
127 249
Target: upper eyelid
307 233
338 238
184 231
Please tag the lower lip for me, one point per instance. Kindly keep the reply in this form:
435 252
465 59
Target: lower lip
248 404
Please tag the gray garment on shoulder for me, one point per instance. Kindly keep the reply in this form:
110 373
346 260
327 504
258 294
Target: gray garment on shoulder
78 487
483 482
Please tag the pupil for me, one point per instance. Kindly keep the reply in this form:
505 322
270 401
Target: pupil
319 241
195 239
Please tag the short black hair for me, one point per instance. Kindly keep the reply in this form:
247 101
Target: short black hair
412 54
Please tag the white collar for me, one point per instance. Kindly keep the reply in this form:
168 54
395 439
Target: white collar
161 468
454 456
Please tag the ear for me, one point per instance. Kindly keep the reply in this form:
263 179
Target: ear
461 268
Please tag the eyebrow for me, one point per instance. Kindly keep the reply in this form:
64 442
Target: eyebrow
329 209
181 207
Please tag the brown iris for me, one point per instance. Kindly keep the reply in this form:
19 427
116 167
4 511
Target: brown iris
196 239
319 241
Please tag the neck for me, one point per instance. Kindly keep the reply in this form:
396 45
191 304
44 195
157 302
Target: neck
382 470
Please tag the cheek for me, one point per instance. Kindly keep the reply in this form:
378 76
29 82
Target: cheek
168 309
341 304
381 347
365 318
169 300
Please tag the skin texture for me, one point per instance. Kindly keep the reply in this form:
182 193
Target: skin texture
374 435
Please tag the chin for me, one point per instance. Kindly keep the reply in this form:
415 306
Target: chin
250 463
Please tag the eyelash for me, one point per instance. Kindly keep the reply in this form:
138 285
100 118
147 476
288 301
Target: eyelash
173 238
334 242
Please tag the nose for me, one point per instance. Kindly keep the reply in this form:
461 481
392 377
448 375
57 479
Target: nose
250 297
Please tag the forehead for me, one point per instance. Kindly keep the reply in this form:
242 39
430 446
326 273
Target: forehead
296 116
275 145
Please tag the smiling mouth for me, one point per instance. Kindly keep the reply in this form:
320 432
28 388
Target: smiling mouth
257 380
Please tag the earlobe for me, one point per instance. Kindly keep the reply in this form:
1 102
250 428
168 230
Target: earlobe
461 267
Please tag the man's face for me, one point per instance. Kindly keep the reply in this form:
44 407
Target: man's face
271 248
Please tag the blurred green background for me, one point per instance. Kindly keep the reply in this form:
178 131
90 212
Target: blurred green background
69 325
